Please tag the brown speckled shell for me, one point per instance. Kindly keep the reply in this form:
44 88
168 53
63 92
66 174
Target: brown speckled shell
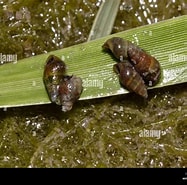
130 79
145 64
118 47
62 89
54 71
70 90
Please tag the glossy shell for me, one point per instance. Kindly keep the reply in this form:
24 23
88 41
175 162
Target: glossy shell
130 79
118 47
62 89
54 71
70 90
146 65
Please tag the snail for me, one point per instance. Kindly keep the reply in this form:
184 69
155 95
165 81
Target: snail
69 91
130 78
54 71
118 47
145 64
62 89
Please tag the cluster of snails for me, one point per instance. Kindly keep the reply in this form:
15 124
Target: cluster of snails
62 89
136 69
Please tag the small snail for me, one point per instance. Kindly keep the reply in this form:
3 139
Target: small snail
118 47
69 91
146 65
62 89
53 74
130 78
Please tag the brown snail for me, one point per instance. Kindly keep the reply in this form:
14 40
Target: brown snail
145 64
118 47
54 71
69 91
130 78
62 89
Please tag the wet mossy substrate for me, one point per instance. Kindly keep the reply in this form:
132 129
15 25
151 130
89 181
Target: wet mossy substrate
120 131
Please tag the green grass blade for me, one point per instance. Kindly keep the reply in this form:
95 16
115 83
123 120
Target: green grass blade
21 83
104 20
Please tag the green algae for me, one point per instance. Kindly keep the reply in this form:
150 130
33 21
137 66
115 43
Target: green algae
107 132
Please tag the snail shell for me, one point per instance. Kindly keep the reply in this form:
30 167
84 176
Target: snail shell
146 65
62 89
70 90
54 71
130 79
118 47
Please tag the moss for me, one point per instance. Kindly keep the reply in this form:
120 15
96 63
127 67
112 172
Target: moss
104 132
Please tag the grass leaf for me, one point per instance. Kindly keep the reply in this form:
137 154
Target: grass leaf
104 20
21 83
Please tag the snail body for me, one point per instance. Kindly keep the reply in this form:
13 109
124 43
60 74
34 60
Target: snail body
118 47
54 71
145 64
69 91
62 89
130 78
